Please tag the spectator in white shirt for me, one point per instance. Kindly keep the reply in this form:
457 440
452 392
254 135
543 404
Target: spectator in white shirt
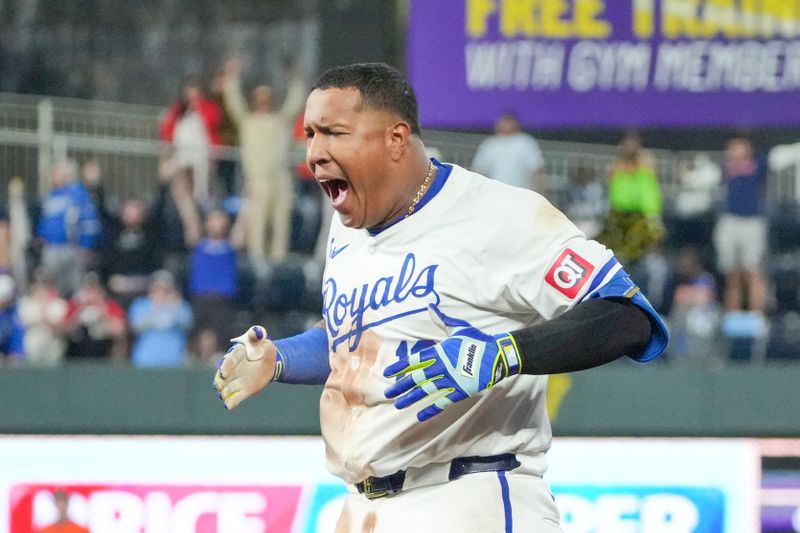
511 156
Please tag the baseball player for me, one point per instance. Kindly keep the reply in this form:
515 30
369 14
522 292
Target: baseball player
448 299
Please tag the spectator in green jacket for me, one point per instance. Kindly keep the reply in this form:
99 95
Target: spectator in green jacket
633 225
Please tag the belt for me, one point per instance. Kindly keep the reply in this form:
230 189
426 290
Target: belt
379 487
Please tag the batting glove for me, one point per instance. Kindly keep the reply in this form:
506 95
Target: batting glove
464 364
247 367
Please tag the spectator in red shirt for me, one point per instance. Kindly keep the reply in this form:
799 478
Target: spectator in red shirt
192 126
95 323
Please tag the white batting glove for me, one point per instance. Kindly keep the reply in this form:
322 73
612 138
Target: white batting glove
247 367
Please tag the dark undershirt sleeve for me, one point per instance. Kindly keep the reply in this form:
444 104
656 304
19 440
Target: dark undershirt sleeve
591 334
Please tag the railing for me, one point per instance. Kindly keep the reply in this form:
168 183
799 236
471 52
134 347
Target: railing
35 132
562 160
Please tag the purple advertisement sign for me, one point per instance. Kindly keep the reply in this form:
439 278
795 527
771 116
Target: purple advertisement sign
606 63
780 501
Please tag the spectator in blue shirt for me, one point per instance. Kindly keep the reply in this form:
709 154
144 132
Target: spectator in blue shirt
213 282
740 237
692 306
68 227
161 321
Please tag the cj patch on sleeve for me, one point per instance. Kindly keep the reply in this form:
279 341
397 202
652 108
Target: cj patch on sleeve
569 273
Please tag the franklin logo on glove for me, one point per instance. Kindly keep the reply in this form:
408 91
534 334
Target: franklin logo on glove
466 369
465 363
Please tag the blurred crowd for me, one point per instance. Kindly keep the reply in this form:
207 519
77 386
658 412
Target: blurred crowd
714 259
235 236
168 280
727 283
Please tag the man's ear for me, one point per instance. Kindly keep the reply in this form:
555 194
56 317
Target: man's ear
397 137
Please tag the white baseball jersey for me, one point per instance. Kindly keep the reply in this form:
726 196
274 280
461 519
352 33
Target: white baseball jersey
499 257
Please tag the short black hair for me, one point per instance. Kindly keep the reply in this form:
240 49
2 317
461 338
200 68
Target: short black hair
382 88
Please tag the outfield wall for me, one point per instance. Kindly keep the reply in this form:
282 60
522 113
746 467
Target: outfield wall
619 400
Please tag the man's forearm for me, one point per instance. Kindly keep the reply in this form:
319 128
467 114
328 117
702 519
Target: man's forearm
593 333
304 359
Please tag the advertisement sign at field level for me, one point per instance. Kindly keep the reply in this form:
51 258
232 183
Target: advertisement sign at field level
225 509
160 508
280 484
178 509
663 509
655 485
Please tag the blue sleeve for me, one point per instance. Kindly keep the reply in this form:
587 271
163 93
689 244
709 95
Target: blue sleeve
304 358
613 282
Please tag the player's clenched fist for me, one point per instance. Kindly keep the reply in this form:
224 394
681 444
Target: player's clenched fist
247 368
460 366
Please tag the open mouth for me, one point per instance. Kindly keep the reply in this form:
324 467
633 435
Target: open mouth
336 190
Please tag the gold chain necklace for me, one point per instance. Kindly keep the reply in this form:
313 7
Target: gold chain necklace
421 190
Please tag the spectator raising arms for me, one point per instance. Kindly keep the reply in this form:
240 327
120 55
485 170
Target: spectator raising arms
265 135
176 216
